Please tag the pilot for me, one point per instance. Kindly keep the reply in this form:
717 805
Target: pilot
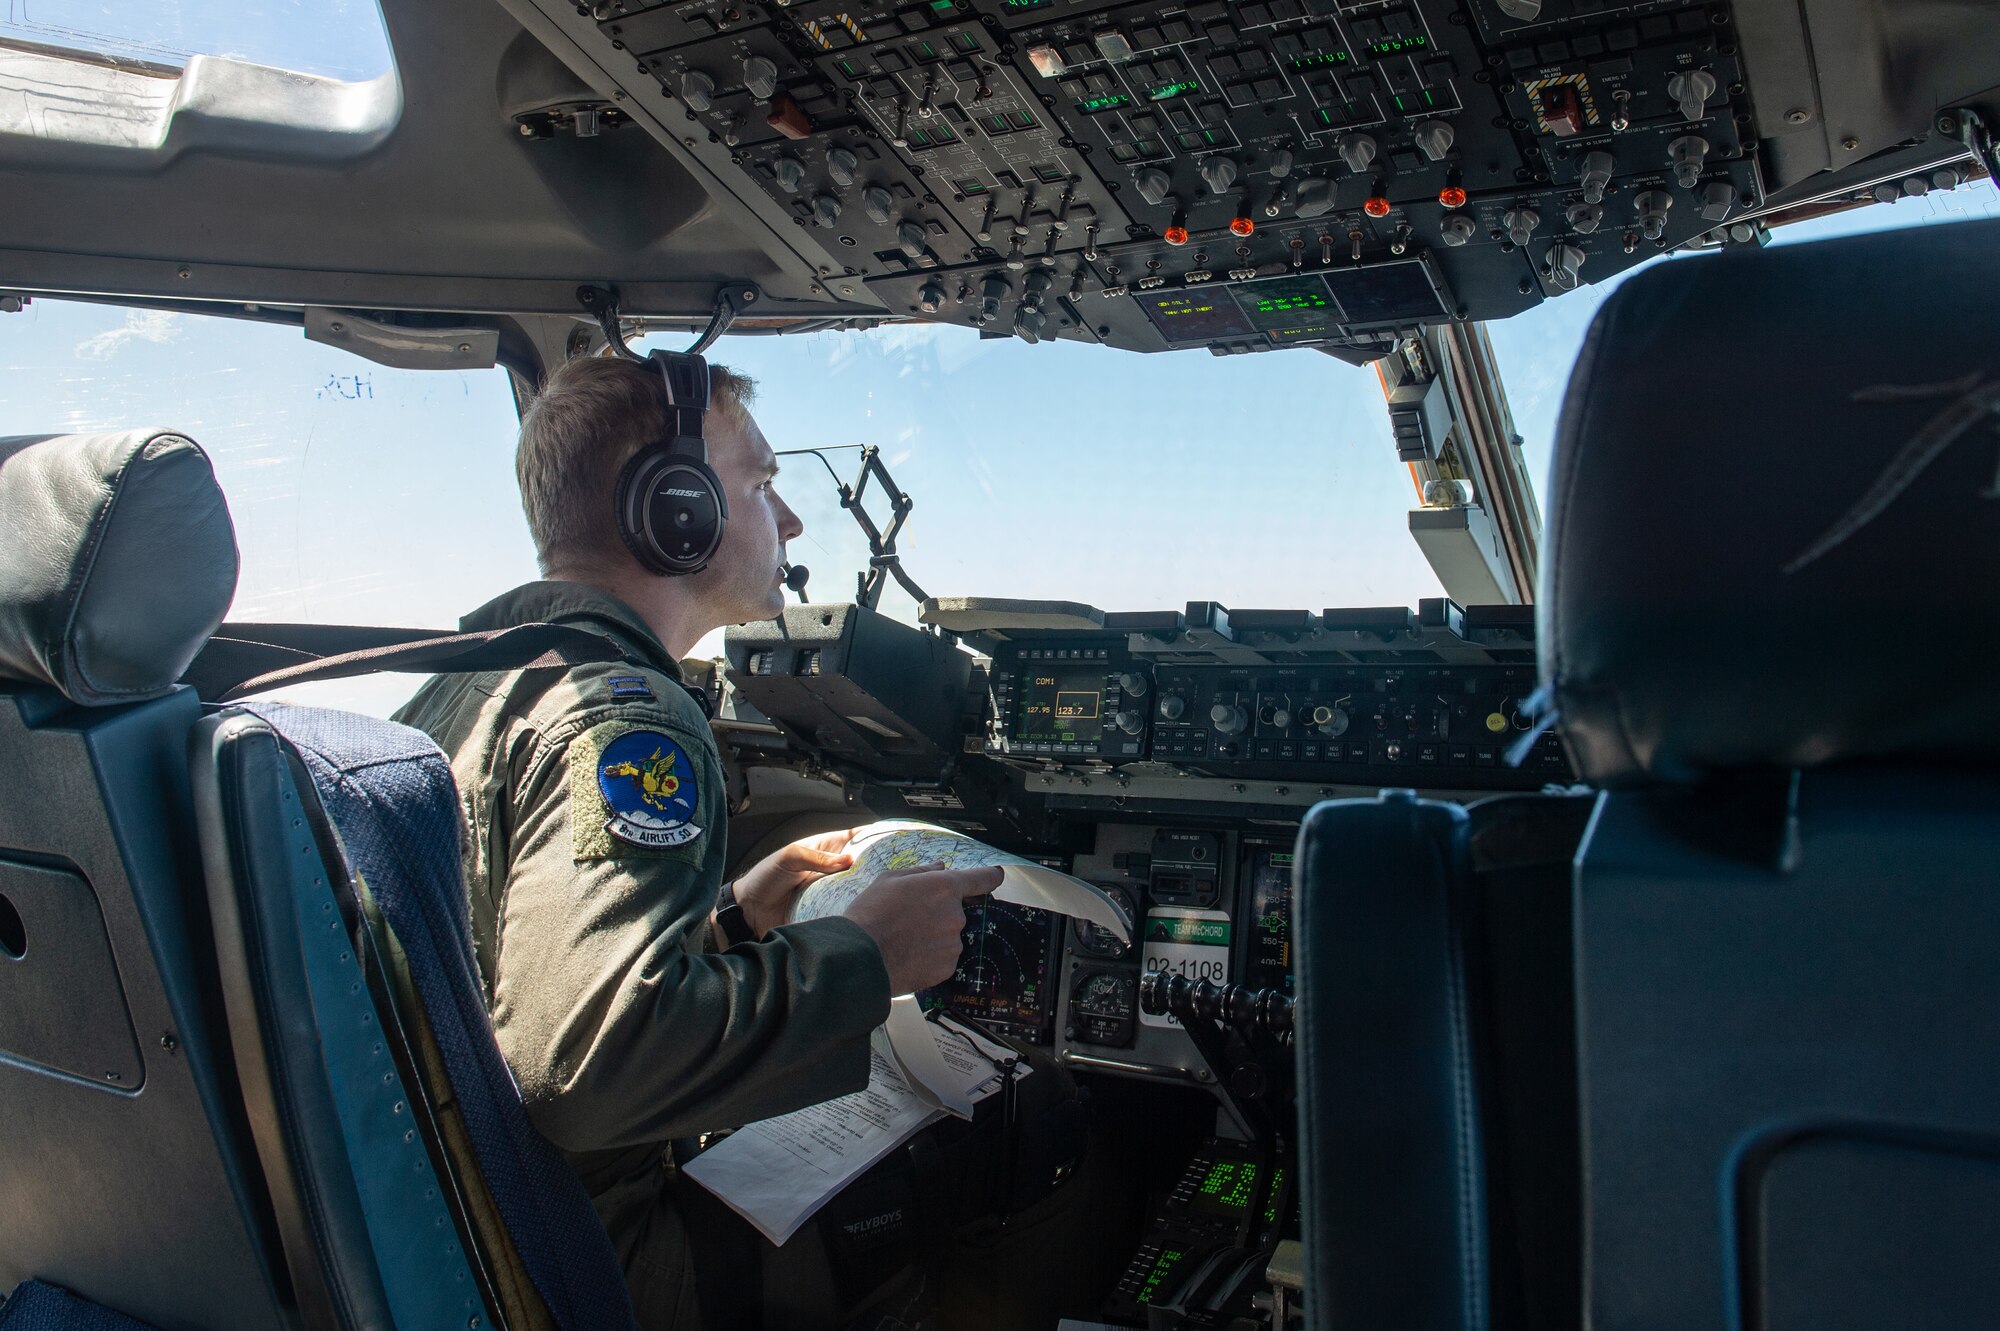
633 1006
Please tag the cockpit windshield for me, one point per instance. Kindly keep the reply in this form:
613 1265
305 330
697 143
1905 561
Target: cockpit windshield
364 494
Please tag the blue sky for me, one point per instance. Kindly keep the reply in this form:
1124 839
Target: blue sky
363 494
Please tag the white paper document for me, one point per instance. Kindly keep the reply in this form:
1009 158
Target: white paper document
777 1173
903 844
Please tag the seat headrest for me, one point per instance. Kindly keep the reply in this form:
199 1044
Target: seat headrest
1774 512
117 562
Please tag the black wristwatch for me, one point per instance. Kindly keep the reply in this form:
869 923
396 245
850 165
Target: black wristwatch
730 919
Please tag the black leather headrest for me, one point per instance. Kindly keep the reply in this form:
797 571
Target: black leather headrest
1774 512
117 561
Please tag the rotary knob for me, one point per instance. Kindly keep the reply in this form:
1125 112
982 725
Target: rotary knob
912 239
1133 684
698 89
991 292
790 173
1651 208
1153 184
760 76
1435 138
1687 153
1585 217
878 204
841 165
1565 263
1457 230
1229 718
930 298
1358 151
1173 707
1595 173
1521 224
1218 173
1331 721
1314 197
825 210
1281 718
1691 91
1129 720
1281 163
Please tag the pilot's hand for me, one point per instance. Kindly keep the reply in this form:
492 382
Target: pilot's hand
915 916
770 889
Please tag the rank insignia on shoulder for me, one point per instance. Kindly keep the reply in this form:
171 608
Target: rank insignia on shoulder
648 783
630 686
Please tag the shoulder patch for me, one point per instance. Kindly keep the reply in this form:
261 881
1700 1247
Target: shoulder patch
630 686
648 783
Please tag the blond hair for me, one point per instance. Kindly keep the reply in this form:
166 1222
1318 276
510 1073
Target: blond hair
590 418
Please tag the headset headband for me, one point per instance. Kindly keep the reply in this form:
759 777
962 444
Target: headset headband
685 375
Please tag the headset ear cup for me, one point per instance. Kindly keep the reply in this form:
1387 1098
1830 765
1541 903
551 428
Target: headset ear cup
671 510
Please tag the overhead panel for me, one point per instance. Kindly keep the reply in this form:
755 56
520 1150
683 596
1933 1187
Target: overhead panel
1241 175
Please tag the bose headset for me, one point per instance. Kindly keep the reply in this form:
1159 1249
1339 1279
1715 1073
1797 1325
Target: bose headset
671 506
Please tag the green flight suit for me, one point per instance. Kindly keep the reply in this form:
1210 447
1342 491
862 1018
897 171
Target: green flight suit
595 803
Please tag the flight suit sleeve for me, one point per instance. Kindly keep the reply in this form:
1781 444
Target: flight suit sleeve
621 1023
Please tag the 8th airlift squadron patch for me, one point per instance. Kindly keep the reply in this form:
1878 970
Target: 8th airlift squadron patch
636 785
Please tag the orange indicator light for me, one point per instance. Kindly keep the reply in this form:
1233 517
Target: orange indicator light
1241 226
1452 196
1376 206
1177 235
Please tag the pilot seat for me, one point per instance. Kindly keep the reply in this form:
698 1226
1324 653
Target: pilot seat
246 1075
1746 1045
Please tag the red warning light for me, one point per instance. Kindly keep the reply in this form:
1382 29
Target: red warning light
1177 235
1241 226
1452 196
1376 206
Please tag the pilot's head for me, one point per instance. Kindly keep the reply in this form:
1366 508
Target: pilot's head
589 420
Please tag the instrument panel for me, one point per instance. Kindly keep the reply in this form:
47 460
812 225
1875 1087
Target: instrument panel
1243 175
1167 757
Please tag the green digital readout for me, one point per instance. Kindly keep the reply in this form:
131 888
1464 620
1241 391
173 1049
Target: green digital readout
1286 304
1169 1259
1318 60
1226 1190
1022 6
1091 106
1161 92
1415 41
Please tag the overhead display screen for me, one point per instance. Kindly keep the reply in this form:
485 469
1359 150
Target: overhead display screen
1291 309
1401 292
1195 316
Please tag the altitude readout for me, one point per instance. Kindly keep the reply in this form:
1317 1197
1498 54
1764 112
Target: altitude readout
1269 962
1318 60
1161 92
